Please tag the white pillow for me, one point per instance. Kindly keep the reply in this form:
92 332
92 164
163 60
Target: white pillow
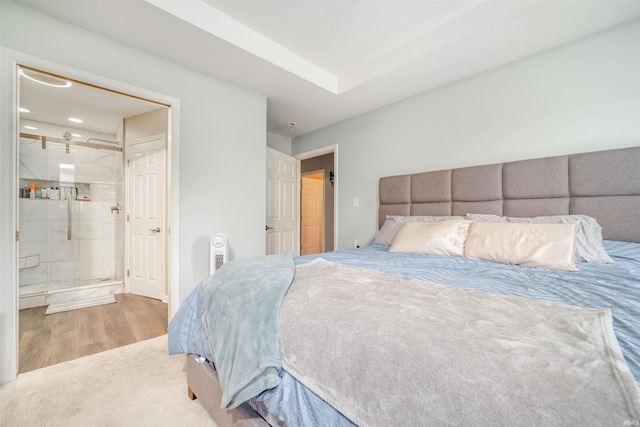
392 224
550 246
432 238
589 247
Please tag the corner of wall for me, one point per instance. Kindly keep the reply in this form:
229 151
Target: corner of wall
279 142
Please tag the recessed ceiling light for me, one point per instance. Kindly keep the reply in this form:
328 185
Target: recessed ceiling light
30 127
74 120
23 110
45 79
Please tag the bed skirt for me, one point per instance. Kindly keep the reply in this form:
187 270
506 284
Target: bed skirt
204 386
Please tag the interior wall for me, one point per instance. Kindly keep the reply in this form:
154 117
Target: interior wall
279 143
578 97
221 126
316 163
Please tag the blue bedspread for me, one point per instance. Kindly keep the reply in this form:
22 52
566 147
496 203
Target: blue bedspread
614 286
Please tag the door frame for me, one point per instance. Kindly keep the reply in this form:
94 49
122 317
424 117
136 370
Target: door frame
9 225
321 152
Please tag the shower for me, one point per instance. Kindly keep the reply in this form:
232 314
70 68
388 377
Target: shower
71 237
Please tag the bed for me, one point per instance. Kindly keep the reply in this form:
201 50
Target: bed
438 321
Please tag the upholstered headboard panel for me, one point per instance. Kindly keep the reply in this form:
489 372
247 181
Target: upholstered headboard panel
603 184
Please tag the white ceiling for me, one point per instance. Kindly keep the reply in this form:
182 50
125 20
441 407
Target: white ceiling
101 111
322 61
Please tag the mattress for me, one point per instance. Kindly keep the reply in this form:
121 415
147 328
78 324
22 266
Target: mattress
614 286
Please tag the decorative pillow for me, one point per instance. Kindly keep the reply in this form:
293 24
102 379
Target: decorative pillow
550 246
432 238
392 224
589 247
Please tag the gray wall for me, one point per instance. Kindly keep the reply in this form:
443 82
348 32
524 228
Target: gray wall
279 142
581 96
222 127
316 163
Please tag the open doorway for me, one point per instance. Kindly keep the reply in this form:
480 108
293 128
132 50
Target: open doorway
322 163
312 213
284 204
74 250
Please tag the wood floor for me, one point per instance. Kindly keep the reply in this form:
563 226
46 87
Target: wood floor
49 339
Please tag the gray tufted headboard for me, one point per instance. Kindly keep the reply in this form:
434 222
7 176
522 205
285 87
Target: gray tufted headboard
603 184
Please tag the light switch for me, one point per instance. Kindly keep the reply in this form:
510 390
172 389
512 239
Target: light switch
356 202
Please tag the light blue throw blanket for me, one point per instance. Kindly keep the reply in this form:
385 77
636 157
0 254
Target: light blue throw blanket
241 314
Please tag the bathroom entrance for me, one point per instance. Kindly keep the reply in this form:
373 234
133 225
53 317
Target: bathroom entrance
74 194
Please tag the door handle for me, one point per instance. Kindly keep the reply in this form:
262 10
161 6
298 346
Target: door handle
155 230
268 228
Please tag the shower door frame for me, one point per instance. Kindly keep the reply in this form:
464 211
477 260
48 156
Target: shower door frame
10 61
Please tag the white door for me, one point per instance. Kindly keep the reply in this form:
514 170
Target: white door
312 214
282 203
146 216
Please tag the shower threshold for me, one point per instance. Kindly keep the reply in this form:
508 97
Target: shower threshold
39 295
63 286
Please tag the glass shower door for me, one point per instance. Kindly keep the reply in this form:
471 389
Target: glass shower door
70 237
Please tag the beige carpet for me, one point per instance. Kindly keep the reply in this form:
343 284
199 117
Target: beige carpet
135 385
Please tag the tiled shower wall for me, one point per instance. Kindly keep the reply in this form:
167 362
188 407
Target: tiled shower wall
48 259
